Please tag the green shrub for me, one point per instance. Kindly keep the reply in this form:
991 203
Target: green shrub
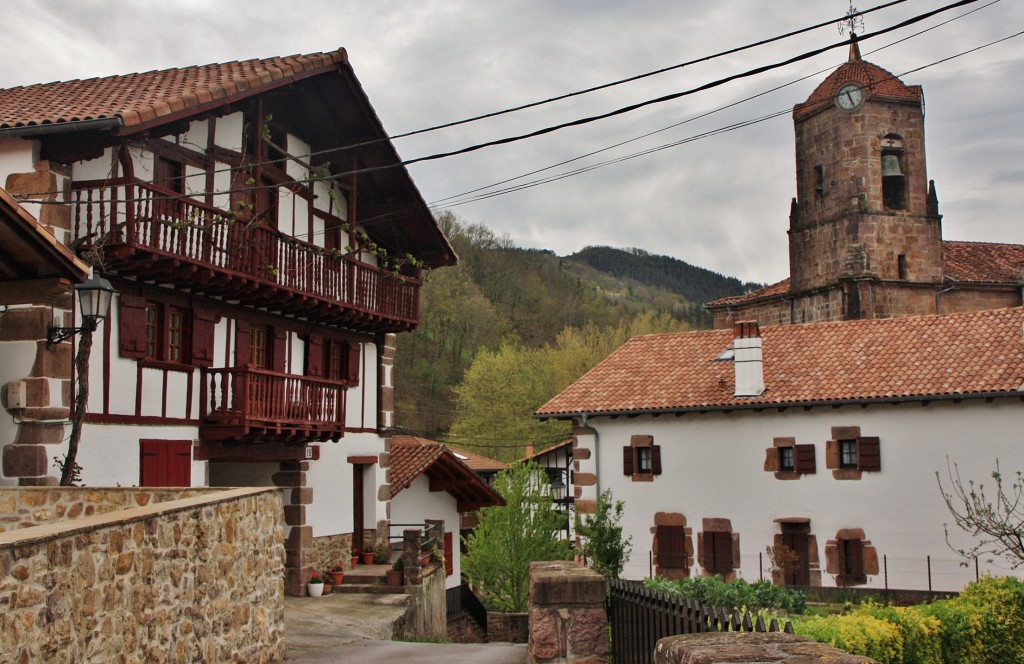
858 634
920 633
712 590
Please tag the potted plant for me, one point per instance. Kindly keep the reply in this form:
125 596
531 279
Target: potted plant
367 556
337 574
328 583
315 585
396 574
355 558
382 554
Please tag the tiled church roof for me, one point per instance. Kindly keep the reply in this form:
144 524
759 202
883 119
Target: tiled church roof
143 97
896 358
874 80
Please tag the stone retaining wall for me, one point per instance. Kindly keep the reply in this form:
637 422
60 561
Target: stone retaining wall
710 648
194 579
327 551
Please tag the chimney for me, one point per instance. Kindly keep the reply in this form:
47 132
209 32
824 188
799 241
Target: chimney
529 449
747 359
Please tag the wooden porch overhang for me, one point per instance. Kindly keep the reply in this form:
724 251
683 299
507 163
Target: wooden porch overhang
151 234
243 404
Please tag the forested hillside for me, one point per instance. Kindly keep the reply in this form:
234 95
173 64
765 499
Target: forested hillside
509 327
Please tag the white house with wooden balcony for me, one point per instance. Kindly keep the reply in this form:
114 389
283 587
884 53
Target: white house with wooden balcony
265 243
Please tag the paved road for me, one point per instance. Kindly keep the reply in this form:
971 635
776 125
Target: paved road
358 628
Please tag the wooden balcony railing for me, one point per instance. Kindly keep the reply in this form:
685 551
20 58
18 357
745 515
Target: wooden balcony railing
255 405
150 232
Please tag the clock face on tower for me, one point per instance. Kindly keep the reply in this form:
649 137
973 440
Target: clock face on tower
850 96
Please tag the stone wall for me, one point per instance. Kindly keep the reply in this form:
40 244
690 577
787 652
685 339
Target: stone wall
326 552
568 619
750 647
194 579
427 613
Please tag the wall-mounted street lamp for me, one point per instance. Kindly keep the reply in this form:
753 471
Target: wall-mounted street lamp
557 487
94 296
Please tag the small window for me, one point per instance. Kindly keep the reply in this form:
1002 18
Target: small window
335 355
641 459
819 181
852 551
787 462
152 331
165 333
258 349
175 335
848 454
901 266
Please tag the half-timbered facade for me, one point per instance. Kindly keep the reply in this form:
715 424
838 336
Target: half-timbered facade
266 244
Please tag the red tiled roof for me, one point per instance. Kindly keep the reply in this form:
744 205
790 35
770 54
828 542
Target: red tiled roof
547 450
142 97
983 262
412 456
477 462
29 251
914 357
964 262
874 79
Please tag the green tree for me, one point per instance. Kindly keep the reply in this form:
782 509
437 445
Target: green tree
602 543
510 537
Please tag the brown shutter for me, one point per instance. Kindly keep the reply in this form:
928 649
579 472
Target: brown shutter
279 350
832 454
771 459
804 459
869 456
656 459
204 324
133 326
671 546
856 557
627 460
315 355
723 552
243 343
352 362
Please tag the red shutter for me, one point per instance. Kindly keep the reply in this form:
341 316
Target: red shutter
656 459
869 456
279 351
627 460
133 326
804 459
671 546
315 355
352 369
449 561
243 343
204 324
165 463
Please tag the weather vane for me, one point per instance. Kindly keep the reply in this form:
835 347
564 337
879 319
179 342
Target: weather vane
852 22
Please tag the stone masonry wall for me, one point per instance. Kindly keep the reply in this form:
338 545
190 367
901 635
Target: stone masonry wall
26 507
568 620
195 579
750 647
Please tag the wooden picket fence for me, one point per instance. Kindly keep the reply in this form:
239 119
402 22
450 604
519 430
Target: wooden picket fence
640 617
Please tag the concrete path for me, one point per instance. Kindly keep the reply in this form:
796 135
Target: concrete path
358 627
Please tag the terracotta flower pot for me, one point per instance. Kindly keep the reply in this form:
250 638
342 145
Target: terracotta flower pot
336 578
395 577
367 558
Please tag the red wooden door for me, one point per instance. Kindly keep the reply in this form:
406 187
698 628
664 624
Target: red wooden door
165 463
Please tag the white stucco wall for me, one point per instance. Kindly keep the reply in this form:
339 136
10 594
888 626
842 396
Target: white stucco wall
713 467
331 478
15 157
418 503
109 454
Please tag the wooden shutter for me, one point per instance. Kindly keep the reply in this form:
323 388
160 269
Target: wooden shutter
132 329
352 362
243 343
315 355
279 349
671 546
165 463
449 561
803 459
204 325
627 460
869 455
656 459
799 572
722 560
855 551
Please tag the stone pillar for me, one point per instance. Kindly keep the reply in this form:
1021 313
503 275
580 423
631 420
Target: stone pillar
412 540
568 620
386 347
584 462
298 536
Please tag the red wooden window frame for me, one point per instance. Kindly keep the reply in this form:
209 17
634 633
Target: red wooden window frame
449 561
259 346
632 460
156 331
165 463
152 334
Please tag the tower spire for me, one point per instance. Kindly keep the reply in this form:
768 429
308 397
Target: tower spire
852 22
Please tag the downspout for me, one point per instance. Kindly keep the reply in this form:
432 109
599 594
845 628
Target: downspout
938 295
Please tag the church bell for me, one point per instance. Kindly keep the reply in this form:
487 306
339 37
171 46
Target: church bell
891 166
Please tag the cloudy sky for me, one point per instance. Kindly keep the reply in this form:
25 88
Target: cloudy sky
721 201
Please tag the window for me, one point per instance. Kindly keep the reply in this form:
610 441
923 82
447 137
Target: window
852 561
259 355
849 453
786 460
851 557
641 459
893 181
154 331
334 351
175 335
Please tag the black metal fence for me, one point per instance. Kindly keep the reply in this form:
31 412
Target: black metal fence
461 599
640 617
